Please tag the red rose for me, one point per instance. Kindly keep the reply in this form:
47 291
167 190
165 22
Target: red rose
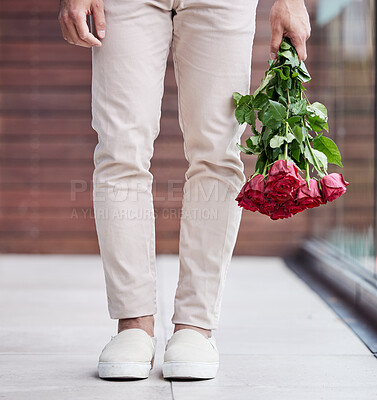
333 186
251 195
280 212
267 206
283 181
255 189
244 201
293 207
309 198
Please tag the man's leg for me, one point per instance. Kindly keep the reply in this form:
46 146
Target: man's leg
212 45
127 88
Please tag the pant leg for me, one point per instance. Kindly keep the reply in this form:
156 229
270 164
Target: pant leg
212 48
127 87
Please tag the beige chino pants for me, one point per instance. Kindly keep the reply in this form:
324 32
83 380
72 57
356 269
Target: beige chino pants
211 47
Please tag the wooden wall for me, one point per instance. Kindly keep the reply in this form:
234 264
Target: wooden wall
47 143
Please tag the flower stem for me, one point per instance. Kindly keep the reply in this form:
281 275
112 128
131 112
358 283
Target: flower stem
286 151
306 98
287 127
265 168
317 167
307 178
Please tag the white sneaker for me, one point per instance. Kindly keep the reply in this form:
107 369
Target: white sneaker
189 354
129 354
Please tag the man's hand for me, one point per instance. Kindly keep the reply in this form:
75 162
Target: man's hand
289 18
72 19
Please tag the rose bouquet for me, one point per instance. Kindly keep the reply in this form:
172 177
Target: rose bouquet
289 141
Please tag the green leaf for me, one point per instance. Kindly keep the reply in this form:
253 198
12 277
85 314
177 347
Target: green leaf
270 91
245 99
266 136
277 141
285 85
276 152
281 73
319 158
236 97
328 147
287 70
299 107
260 101
316 123
261 161
293 120
277 110
270 121
250 117
279 90
285 46
289 137
304 70
301 86
303 78
283 101
297 131
253 143
293 61
295 151
244 149
240 113
318 109
286 54
265 82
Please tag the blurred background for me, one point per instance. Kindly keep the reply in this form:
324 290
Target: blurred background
47 143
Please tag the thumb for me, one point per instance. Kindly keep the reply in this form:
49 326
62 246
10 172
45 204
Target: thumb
99 19
276 38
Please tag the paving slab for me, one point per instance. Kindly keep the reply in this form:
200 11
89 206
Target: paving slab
277 338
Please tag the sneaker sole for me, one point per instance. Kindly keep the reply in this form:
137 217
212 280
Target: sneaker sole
189 370
124 369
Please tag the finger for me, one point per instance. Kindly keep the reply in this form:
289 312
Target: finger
300 46
63 19
83 30
62 26
72 35
99 19
276 38
64 32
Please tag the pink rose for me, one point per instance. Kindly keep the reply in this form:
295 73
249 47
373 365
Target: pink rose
283 181
333 186
309 198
